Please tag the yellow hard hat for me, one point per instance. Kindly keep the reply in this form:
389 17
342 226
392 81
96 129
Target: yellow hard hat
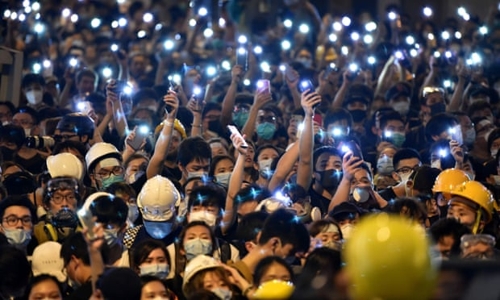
388 258
478 194
177 126
447 181
274 289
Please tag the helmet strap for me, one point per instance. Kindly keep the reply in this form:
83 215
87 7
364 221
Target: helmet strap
475 228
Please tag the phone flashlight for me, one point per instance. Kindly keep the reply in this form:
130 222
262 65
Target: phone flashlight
346 21
74 18
461 11
337 26
107 72
303 28
345 149
387 134
368 39
36 67
344 50
114 47
445 35
288 23
448 54
355 36
458 35
39 27
399 54
80 106
141 34
300 127
371 26
46 63
122 22
353 67
427 11
257 50
144 129
437 54
208 32
336 131
196 91
242 39
247 82
211 71
332 37
483 30
202 11
447 83
265 67
286 45
95 22
226 65
443 152
127 89
371 60
392 16
147 17
73 62
168 45
410 40
192 22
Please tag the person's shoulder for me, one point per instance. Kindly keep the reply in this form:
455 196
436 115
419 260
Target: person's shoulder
243 269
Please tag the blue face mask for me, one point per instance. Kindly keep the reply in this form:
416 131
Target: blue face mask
266 130
197 247
223 178
240 118
157 270
110 180
158 230
223 294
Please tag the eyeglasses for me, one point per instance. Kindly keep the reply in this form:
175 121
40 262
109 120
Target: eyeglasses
58 199
269 119
405 170
12 220
103 174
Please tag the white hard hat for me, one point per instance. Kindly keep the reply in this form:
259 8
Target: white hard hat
65 165
157 199
274 203
94 196
100 151
197 264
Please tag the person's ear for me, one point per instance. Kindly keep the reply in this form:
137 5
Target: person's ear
181 167
395 176
249 246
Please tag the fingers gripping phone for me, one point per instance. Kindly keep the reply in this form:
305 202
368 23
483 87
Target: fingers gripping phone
87 220
141 133
235 131
352 147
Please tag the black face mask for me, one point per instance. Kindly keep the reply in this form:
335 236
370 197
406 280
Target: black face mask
65 218
330 179
7 153
437 108
215 126
358 115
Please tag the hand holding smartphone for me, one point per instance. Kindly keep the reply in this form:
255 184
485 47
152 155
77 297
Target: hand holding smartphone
87 220
141 132
264 85
235 131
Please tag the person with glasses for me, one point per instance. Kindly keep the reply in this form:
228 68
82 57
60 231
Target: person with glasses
13 148
104 165
17 216
75 127
405 161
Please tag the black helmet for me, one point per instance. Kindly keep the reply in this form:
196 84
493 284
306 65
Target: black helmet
78 123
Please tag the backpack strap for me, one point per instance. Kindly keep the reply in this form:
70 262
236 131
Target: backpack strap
225 251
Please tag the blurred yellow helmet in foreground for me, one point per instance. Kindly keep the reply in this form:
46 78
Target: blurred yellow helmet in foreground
274 289
387 258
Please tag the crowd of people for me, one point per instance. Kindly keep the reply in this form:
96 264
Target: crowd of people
249 150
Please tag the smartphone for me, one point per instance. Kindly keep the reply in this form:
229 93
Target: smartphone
85 107
87 220
264 85
120 86
456 134
354 149
306 85
235 130
242 58
141 133
289 74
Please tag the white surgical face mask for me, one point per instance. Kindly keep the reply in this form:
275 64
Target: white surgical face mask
197 174
436 164
346 230
223 178
404 177
34 97
402 107
203 215
494 152
265 167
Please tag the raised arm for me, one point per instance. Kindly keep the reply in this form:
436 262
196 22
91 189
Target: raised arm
350 165
156 163
456 98
306 141
228 102
119 117
234 182
339 98
284 167
261 98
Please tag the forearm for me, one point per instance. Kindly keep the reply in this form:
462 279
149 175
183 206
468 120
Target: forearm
306 141
233 188
160 73
65 95
119 119
380 201
429 80
339 98
249 127
96 265
228 104
156 162
341 194
456 98
283 168
296 97
123 72
103 126
197 127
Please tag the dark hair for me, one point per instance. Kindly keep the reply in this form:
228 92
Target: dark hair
85 73
332 151
14 134
41 278
193 148
121 187
208 195
68 144
322 261
404 153
203 295
209 107
264 265
335 115
248 228
423 179
219 140
318 226
390 116
119 283
135 7
415 208
148 279
15 200
134 157
9 105
13 262
251 193
439 124
216 160
476 106
192 224
30 111
264 147
283 225
449 227
75 245
32 78
141 252
142 94
495 134
108 209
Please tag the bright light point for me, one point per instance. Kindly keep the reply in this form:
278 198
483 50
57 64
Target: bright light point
246 82
437 54
265 67
398 55
476 58
371 26
430 36
413 52
147 18
141 34
417 46
197 90
208 32
344 50
35 6
176 78
168 45
202 11
73 62
122 22
354 36
74 18
39 28
26 3
242 39
96 22
222 23
368 39
242 51
46 63
387 134
427 11
177 37
448 54
80 106
257 50
6 13
211 71
13 15
466 17
282 68
392 16
483 30
144 129
469 62
445 35
458 35
37 16
461 11
447 83
66 12
226 65
288 23
371 60
337 132
300 127
353 67
114 24
22 17
443 152
410 40
337 26
332 37
303 28
36 68
107 72
286 45
27 9
346 21
128 91
192 22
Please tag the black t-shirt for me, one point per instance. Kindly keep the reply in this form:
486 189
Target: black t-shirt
388 194
82 293
33 165
317 200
